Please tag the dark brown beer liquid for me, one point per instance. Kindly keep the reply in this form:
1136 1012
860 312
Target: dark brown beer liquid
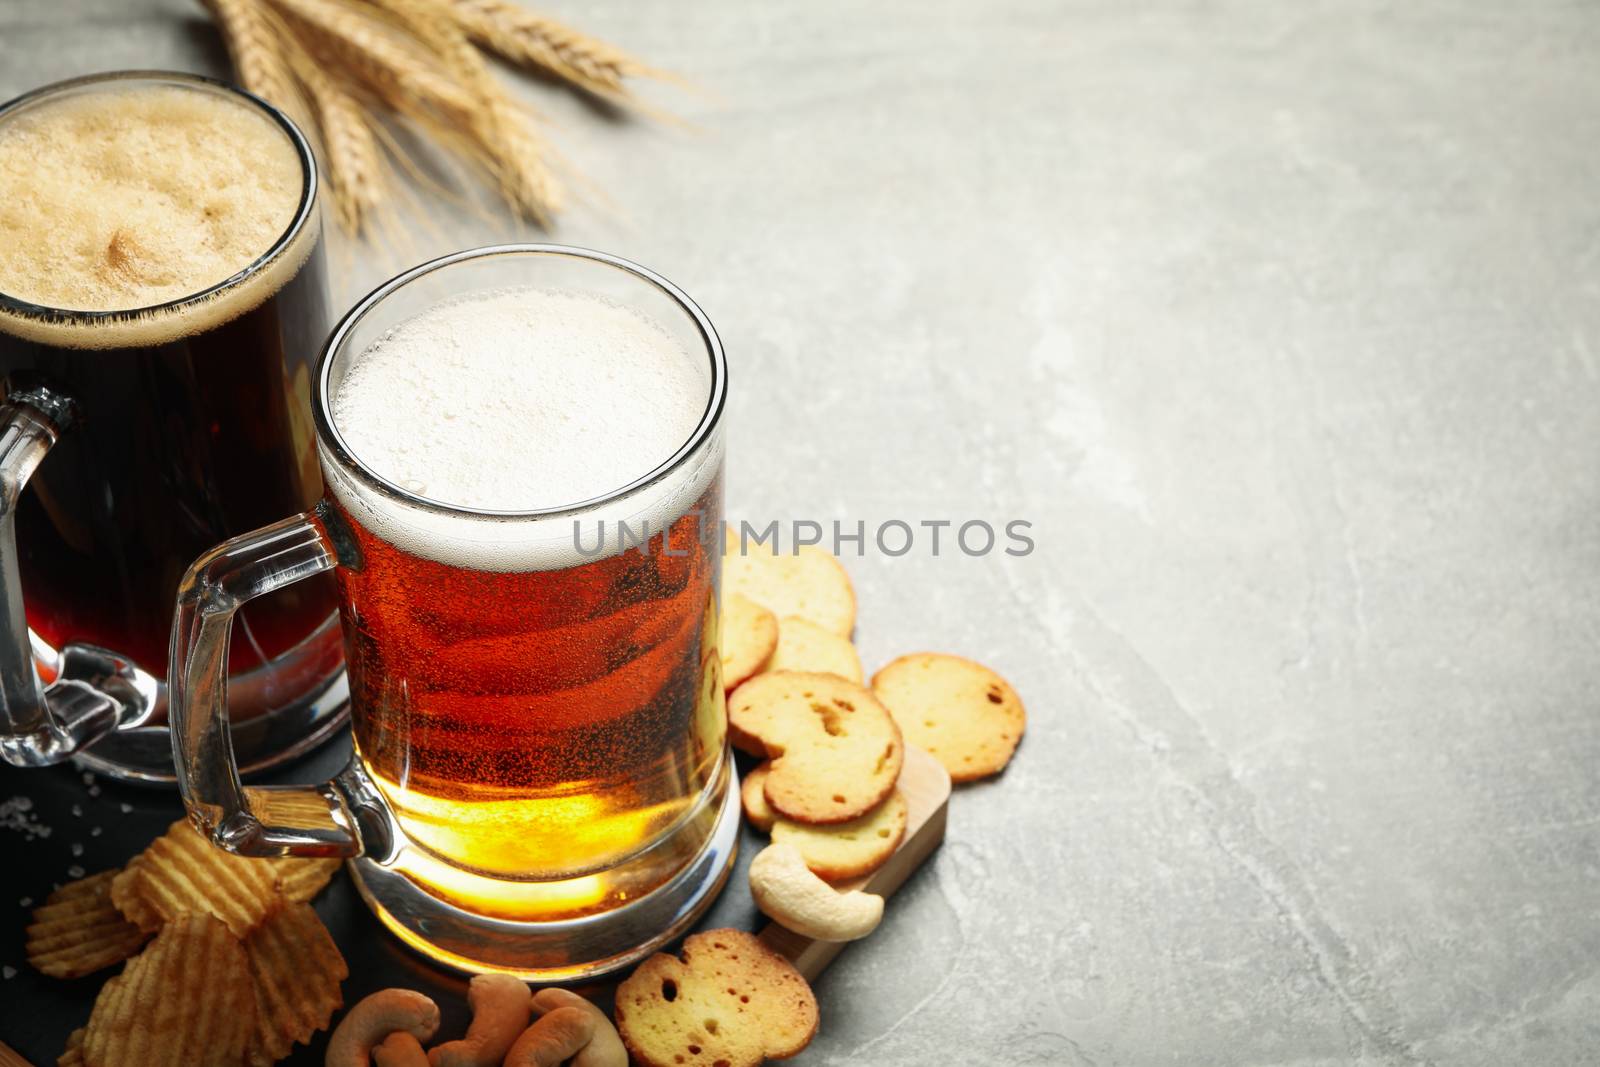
179 447
191 202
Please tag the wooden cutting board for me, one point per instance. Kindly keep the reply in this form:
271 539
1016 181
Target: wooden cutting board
926 786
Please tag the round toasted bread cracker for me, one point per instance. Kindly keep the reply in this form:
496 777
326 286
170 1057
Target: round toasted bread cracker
805 646
962 713
749 635
835 750
808 582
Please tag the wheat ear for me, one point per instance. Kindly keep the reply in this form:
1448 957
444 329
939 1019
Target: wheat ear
255 51
403 77
498 126
521 37
356 173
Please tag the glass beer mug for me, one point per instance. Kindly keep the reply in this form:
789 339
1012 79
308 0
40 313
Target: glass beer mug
154 399
541 782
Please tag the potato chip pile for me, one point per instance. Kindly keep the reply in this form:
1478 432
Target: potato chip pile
237 968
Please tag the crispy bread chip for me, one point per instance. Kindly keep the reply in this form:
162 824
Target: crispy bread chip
847 850
838 852
964 714
805 646
749 634
835 751
810 582
729 1001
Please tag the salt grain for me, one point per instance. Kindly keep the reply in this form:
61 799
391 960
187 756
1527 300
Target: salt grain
17 814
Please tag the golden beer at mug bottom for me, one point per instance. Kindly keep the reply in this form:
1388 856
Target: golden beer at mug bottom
533 727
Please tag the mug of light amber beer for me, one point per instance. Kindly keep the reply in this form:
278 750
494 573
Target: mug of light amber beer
522 453
162 299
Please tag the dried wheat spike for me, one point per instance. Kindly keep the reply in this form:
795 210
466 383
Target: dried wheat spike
527 39
403 77
254 50
356 174
498 126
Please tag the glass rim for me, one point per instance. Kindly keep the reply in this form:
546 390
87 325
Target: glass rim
328 434
304 210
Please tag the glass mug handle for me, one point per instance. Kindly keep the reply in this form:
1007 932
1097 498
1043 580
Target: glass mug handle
95 690
340 817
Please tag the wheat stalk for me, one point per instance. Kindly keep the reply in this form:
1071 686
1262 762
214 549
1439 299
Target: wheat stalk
531 40
400 75
356 174
498 127
254 50
336 64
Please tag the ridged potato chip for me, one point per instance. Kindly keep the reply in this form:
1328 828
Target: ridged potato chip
185 1001
296 970
182 872
78 930
302 879
72 1056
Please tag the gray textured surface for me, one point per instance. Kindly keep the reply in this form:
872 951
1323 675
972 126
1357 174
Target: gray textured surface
1283 327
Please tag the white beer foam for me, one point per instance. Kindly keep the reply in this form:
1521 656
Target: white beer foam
132 195
517 400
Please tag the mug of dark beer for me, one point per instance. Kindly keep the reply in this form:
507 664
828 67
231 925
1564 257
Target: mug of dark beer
522 450
162 293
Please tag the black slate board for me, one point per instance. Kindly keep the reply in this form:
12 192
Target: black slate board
39 1012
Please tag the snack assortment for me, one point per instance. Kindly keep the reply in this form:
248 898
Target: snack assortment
832 750
228 965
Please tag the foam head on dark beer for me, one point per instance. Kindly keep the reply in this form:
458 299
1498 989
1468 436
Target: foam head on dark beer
129 195
517 400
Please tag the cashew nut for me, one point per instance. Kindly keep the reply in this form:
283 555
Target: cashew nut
605 1048
552 1040
383 1013
399 1049
500 1011
785 889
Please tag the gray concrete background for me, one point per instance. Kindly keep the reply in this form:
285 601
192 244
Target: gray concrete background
1281 323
